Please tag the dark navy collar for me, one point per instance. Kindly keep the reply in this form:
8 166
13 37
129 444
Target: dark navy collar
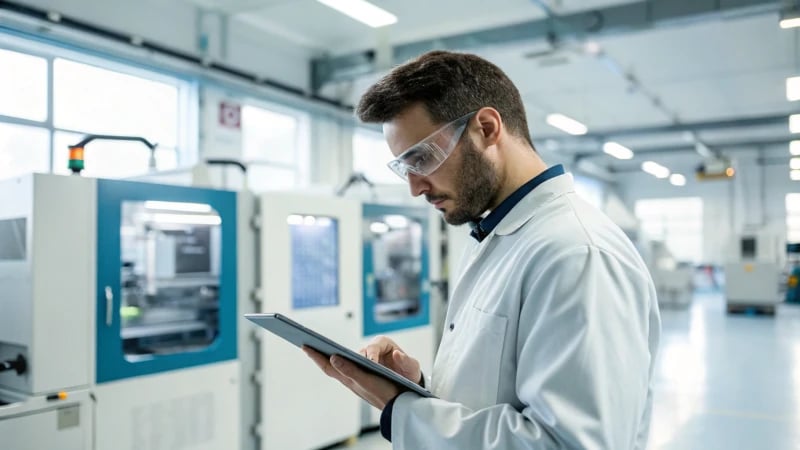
482 228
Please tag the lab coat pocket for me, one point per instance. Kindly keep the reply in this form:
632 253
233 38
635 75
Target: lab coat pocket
483 335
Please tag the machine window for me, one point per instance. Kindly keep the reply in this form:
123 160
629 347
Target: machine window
397 266
170 277
13 239
315 260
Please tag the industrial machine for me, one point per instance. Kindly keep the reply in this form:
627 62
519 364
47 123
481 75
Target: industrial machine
674 281
793 273
119 313
753 276
397 288
310 263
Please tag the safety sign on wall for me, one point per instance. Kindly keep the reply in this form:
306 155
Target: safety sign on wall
230 115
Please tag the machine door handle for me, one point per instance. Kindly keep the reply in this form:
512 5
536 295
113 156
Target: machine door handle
109 306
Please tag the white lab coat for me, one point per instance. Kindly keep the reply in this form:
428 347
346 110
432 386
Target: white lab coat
555 328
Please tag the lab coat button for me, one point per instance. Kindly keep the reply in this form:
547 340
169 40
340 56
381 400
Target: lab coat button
452 325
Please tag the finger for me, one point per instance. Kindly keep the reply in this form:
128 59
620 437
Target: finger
322 362
343 366
358 380
379 346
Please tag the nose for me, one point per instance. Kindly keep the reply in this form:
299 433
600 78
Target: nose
417 184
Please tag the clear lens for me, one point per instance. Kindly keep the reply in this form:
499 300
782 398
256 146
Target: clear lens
428 155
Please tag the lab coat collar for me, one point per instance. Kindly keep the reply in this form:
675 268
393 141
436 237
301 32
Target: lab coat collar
526 208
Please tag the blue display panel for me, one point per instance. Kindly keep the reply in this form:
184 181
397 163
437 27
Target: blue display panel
171 303
315 261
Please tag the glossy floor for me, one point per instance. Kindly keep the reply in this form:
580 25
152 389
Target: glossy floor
723 381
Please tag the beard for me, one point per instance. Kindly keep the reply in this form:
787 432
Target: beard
478 184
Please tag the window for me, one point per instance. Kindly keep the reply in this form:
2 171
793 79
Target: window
370 155
678 222
101 101
274 146
793 218
23 90
86 99
23 149
92 100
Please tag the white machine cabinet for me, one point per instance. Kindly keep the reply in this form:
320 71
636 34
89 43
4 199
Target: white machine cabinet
310 271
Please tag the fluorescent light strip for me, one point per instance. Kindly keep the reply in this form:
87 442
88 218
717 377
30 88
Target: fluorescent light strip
188 219
794 123
396 221
794 148
567 124
378 227
794 163
362 11
790 23
618 151
794 175
677 179
655 169
793 89
178 206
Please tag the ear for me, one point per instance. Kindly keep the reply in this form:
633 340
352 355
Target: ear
491 126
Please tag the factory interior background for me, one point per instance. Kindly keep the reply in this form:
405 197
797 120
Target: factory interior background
167 166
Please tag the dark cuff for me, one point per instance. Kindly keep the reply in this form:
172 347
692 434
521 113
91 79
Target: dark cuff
386 419
421 381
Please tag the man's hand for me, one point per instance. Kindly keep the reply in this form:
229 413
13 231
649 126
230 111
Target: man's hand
376 390
385 352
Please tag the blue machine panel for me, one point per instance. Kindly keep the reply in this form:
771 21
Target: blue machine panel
166 278
315 261
396 268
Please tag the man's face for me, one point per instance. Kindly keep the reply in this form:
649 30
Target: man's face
466 183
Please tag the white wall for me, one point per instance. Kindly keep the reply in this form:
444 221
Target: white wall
754 198
176 24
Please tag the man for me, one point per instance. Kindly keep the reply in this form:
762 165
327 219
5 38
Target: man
552 329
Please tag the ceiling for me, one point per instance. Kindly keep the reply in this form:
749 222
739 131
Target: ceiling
722 68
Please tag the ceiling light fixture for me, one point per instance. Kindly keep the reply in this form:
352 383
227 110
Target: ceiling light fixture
794 175
362 11
790 17
794 123
794 163
655 169
566 124
677 179
793 89
794 148
617 150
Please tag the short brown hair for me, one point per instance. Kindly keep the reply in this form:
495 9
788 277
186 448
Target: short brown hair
449 85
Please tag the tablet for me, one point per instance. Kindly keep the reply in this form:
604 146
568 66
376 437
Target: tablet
299 335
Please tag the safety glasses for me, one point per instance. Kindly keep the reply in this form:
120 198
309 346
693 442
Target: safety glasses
427 155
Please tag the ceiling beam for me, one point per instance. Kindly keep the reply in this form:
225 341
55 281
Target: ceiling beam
755 144
612 20
696 127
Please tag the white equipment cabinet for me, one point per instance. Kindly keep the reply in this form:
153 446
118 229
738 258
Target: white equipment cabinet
310 259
